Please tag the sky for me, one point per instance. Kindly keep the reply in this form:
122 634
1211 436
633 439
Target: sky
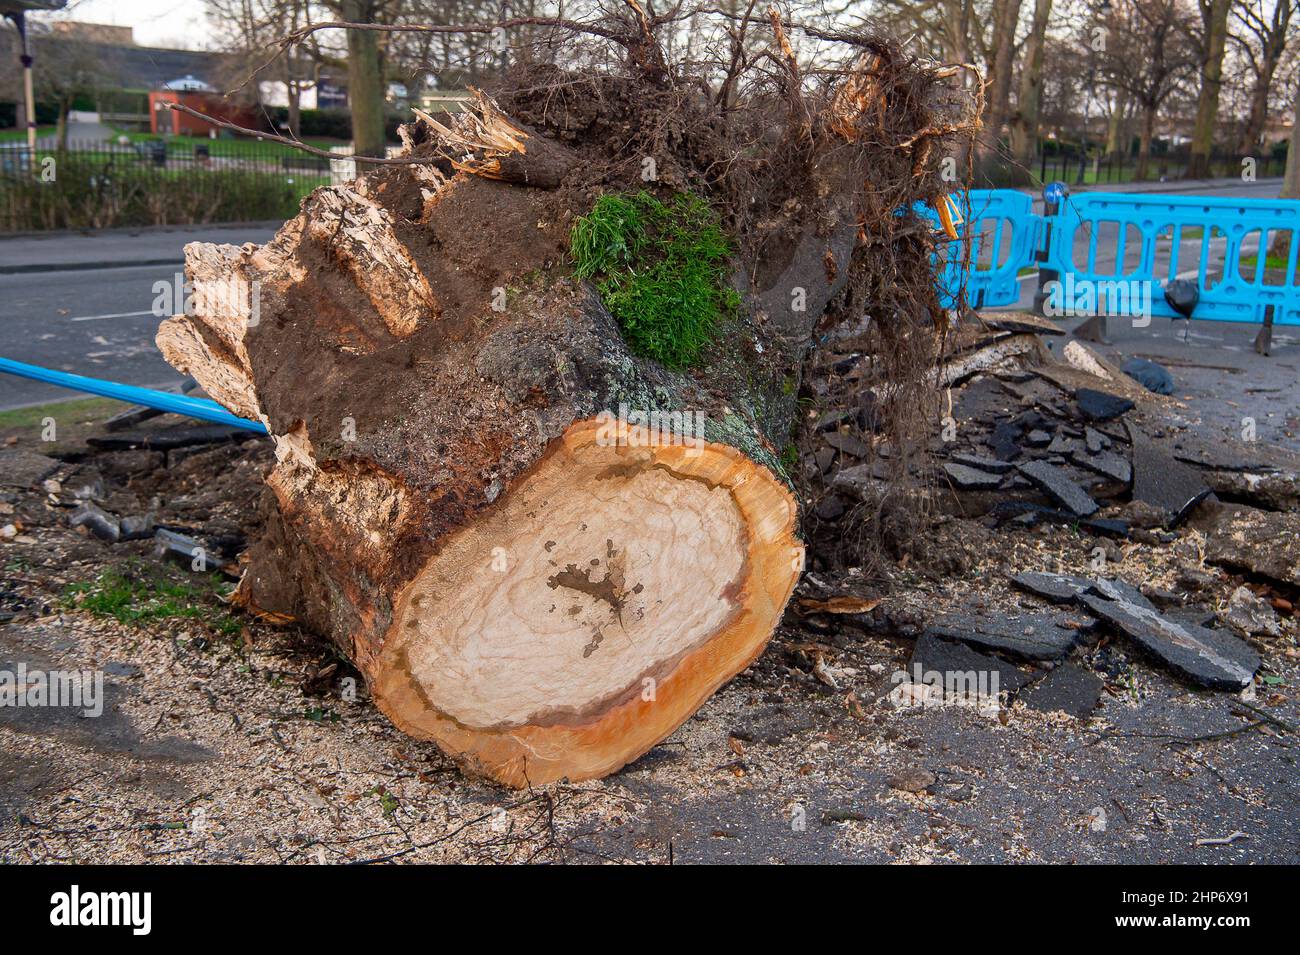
178 24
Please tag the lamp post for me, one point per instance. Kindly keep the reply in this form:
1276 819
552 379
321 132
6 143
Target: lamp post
16 10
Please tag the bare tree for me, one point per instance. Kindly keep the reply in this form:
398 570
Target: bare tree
1146 57
66 70
453 60
366 61
1005 17
248 31
1265 40
1213 39
1291 178
1117 136
1024 122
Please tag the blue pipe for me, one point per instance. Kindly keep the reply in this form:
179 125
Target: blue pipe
201 408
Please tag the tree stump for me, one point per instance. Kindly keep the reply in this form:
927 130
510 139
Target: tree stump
543 550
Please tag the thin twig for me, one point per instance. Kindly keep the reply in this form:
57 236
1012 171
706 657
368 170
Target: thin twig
303 147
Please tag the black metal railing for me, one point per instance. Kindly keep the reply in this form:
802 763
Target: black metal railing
152 182
1075 167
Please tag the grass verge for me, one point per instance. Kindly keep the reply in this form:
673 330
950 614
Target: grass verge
140 594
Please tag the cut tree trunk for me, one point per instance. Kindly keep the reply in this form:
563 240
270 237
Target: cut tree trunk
465 499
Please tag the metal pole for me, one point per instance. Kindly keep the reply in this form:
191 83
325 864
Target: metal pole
1054 194
19 19
201 408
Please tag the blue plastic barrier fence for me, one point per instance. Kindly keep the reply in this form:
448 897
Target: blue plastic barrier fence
1003 235
1220 242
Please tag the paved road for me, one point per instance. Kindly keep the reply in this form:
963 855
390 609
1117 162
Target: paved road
51 251
91 320
1215 368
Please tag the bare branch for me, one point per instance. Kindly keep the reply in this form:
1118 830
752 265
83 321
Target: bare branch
300 146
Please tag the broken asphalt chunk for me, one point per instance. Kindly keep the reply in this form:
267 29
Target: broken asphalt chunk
24 469
1031 514
1033 636
1251 614
1062 444
1106 463
1059 487
1273 492
1057 588
188 551
831 420
1004 442
1149 375
830 508
1161 481
971 479
1266 543
172 438
1100 405
137 528
1095 440
96 520
948 663
847 444
1211 658
992 465
1116 589
1068 689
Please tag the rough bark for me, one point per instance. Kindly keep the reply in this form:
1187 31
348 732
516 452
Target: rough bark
1006 14
541 588
957 28
1024 124
1117 144
1291 178
1214 16
1144 141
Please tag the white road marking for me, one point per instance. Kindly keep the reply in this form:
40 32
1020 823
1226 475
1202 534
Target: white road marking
93 318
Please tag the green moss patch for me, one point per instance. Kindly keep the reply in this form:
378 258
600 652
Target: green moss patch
661 270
